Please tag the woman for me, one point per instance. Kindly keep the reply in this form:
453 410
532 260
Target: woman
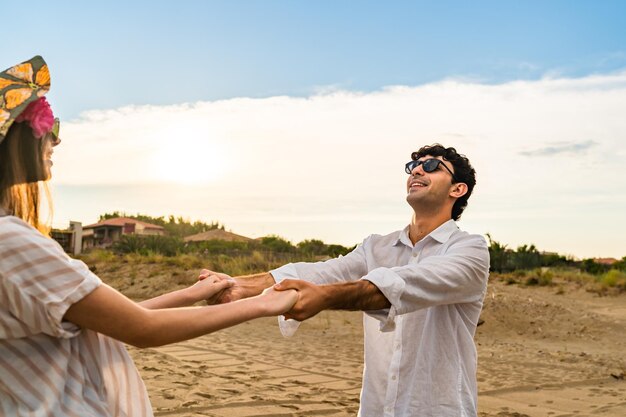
61 328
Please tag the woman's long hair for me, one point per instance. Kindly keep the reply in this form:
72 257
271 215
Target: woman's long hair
23 176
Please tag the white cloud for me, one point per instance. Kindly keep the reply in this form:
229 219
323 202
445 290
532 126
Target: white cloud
561 147
339 155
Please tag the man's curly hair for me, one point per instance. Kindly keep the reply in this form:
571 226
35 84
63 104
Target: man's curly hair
463 172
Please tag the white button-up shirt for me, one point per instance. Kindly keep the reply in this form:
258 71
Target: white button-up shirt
420 357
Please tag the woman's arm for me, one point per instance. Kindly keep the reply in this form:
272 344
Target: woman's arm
107 311
199 291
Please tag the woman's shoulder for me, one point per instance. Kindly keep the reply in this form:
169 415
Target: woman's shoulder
15 231
10 224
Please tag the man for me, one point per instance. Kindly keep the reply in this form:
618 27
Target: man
421 289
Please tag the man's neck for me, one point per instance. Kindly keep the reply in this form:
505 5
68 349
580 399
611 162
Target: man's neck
422 226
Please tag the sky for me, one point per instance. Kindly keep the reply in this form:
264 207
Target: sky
296 118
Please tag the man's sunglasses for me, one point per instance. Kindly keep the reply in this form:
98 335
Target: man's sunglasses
428 165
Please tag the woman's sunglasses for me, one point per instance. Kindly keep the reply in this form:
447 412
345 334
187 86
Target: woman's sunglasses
428 165
55 128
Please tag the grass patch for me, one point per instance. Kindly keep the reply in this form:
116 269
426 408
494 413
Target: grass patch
613 279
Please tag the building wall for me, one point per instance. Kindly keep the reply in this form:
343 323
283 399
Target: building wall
150 232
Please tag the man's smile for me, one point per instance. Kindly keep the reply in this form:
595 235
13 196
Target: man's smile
415 184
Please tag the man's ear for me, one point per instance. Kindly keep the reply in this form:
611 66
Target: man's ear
458 190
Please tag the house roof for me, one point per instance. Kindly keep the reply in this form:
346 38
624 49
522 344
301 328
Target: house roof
217 234
121 221
605 261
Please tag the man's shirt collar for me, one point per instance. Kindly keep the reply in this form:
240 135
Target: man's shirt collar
441 234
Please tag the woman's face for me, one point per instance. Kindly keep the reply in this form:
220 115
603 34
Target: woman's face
49 142
26 158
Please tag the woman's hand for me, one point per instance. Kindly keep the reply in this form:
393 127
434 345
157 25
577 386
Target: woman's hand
220 297
199 291
205 273
209 286
275 303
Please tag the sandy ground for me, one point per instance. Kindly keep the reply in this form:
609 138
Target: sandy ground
542 352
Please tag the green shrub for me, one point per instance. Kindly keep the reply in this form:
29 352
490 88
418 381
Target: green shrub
614 278
277 244
98 255
545 277
146 245
185 261
540 276
510 280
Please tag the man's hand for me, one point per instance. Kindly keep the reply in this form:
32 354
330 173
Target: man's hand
356 295
311 298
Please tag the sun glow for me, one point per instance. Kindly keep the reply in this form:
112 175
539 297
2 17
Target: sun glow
188 158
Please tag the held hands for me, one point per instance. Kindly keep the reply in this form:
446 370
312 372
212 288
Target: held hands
272 302
230 293
311 298
277 302
209 287
244 286
295 299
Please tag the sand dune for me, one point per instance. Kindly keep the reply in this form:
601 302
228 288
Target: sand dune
540 354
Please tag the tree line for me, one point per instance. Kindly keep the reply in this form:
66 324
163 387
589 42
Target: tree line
503 258
174 226
526 257
175 245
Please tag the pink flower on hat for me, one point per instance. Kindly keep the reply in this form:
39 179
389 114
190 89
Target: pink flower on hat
39 115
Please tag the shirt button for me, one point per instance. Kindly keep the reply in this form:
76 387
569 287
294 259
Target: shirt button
397 347
393 377
415 255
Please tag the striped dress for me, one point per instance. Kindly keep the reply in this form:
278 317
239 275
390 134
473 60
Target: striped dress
49 367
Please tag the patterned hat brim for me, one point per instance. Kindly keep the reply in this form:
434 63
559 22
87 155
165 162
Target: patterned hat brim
20 85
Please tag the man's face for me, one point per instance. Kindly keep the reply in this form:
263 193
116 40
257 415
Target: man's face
429 189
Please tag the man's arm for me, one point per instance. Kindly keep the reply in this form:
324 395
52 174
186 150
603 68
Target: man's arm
459 276
350 267
358 295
